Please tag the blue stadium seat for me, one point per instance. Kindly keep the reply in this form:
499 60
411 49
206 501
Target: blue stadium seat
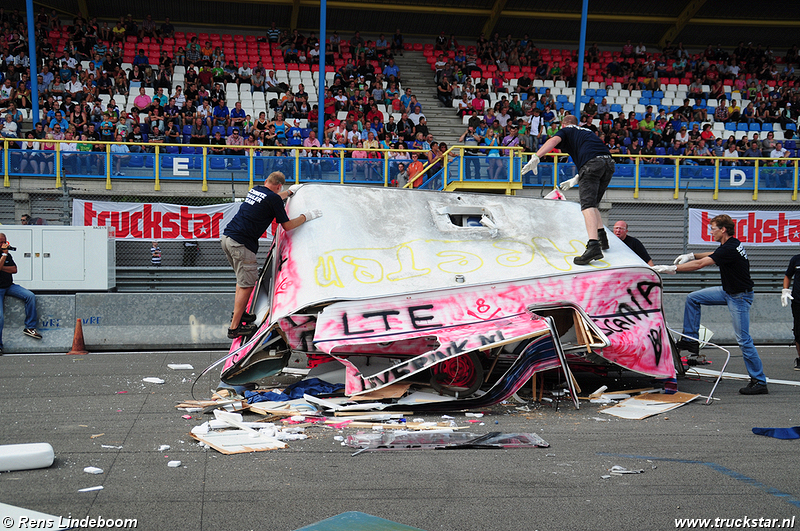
172 149
658 94
569 106
591 93
647 93
755 126
767 127
166 161
790 144
601 93
616 108
187 130
730 126
790 127
743 127
624 170
563 99
216 162
218 128
136 161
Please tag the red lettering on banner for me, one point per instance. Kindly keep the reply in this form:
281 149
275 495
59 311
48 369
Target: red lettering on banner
770 232
151 223
147 221
794 230
704 222
88 214
202 225
215 219
135 218
782 227
170 229
185 217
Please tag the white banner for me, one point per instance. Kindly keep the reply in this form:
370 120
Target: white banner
753 227
156 221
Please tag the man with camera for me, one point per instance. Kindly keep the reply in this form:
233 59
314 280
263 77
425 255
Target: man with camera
7 287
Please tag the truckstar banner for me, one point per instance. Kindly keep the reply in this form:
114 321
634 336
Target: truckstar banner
156 221
753 227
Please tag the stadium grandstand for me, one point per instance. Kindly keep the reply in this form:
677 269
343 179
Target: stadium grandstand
195 96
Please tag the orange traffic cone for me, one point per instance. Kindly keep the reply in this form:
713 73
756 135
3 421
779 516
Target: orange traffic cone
77 341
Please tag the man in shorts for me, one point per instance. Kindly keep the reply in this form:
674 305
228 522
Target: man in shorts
595 169
262 205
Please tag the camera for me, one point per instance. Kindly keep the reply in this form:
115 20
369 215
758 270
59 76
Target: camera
11 248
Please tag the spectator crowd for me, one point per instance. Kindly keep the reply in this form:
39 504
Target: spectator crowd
189 89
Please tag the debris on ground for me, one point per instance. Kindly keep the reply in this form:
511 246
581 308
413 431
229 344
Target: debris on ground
441 440
649 404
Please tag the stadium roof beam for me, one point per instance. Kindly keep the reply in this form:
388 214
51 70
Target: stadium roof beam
295 14
686 15
494 16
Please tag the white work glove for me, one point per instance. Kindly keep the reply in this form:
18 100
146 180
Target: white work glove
313 214
668 269
532 165
786 296
682 259
294 188
569 183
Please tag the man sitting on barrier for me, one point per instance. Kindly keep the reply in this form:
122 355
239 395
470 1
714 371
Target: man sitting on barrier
7 287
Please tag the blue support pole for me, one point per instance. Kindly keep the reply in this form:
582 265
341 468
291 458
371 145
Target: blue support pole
581 51
323 7
33 60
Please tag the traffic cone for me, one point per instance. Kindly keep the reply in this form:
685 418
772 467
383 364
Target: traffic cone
77 341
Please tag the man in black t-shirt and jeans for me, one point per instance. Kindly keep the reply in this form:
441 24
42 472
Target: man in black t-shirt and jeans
793 295
736 292
595 169
262 205
7 287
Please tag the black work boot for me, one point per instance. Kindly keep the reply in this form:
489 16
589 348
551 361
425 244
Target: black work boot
693 347
592 252
601 235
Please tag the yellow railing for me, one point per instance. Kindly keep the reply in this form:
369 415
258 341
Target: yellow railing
514 155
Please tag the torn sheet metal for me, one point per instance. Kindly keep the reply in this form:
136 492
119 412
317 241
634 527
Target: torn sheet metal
648 404
424 282
443 441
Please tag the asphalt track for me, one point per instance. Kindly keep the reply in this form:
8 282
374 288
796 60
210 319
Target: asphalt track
699 461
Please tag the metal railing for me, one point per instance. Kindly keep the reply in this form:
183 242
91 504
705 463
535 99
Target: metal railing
201 164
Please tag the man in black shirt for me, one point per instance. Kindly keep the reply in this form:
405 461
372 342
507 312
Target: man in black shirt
595 169
736 292
794 296
262 205
621 232
7 287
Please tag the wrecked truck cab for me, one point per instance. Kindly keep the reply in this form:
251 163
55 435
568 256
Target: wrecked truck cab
470 293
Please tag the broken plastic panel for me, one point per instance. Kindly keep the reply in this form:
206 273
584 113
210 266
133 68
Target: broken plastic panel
443 441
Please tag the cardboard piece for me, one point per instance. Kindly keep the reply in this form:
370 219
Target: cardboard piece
648 404
393 391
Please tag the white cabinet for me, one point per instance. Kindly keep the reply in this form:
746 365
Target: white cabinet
63 258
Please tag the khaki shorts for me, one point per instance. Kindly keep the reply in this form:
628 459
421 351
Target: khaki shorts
242 260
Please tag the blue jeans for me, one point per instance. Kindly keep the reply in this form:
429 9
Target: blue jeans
739 306
18 292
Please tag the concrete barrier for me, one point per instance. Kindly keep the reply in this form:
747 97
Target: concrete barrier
167 321
769 321
123 321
